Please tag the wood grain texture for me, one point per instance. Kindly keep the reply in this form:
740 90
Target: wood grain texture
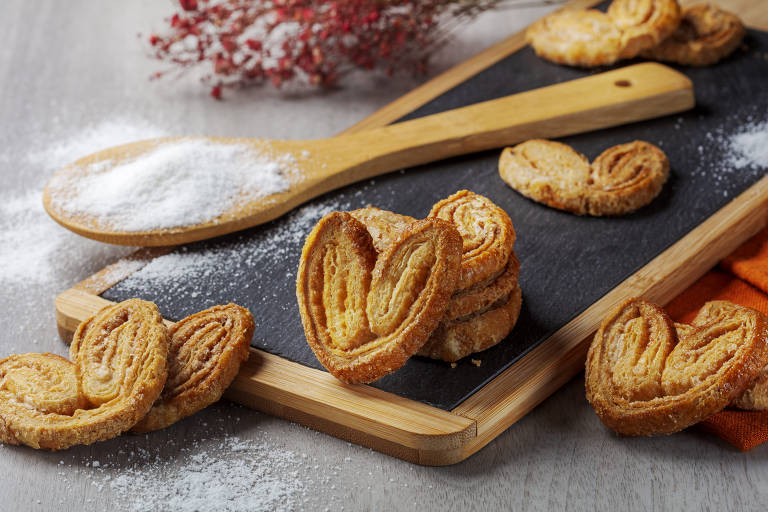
522 387
576 106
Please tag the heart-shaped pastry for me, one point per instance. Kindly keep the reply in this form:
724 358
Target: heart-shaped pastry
118 369
705 35
583 38
755 398
622 179
364 314
205 353
643 23
642 381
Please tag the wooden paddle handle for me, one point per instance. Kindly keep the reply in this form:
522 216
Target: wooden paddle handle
625 95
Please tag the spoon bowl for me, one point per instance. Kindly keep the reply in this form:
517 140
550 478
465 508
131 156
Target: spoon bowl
629 94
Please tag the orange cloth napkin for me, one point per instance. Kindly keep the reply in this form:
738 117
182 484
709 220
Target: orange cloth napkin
741 278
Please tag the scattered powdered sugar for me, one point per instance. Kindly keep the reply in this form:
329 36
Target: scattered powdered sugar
180 183
36 250
39 258
93 138
266 249
226 474
749 148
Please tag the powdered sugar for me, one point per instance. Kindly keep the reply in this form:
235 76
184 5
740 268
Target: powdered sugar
227 474
749 148
188 265
180 183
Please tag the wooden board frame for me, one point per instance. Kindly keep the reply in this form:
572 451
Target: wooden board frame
411 430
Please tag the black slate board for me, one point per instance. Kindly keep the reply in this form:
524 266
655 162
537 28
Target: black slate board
568 262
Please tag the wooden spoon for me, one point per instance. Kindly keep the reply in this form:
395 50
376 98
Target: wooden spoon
632 93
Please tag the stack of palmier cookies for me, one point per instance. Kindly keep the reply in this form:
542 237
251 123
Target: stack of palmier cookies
375 287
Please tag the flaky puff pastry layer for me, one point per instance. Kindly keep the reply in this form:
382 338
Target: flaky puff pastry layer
364 314
118 369
622 179
755 398
487 234
706 34
589 38
643 23
576 38
642 380
384 226
453 340
205 354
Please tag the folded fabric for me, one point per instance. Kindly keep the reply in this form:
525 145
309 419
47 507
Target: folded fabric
741 278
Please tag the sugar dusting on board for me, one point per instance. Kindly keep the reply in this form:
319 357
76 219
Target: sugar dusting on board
749 147
182 273
179 183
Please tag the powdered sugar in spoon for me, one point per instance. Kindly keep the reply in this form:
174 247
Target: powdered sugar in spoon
171 208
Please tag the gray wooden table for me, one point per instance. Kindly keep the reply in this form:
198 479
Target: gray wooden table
68 70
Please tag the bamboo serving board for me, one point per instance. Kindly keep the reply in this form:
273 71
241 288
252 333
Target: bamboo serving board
416 431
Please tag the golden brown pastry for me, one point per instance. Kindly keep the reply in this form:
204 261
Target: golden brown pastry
364 315
622 179
481 297
384 226
755 398
576 38
706 34
487 235
453 340
643 23
118 368
205 354
642 381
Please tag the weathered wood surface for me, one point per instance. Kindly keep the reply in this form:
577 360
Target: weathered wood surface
59 73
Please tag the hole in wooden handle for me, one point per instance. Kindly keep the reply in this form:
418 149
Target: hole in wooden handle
622 83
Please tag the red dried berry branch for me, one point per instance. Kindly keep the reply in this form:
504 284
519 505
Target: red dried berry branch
311 41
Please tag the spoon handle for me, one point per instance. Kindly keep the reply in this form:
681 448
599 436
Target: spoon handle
625 95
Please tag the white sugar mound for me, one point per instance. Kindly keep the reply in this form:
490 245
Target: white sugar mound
177 184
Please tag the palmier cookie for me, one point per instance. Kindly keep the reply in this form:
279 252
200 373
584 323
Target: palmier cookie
455 339
576 38
487 235
384 226
205 354
364 315
622 179
643 23
755 398
705 35
118 370
642 381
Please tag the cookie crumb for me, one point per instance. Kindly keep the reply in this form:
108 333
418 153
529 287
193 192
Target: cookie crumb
477 362
453 365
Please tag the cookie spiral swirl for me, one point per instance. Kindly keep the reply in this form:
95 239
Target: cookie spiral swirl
205 353
706 34
642 381
364 314
487 234
755 398
118 368
643 23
